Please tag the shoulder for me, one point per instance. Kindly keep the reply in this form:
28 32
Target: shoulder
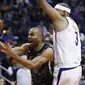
45 49
48 53
73 23
48 49
48 45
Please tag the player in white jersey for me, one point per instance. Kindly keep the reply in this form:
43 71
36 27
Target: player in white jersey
22 75
67 45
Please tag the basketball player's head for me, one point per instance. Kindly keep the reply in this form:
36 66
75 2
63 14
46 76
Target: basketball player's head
36 36
63 8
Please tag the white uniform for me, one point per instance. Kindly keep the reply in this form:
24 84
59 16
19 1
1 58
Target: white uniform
67 50
24 77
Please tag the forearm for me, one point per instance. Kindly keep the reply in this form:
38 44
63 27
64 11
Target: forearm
2 47
40 1
27 63
18 50
48 9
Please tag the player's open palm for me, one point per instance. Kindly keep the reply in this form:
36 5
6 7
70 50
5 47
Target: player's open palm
8 50
2 47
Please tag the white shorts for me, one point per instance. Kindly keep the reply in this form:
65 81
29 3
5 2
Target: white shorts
24 77
68 76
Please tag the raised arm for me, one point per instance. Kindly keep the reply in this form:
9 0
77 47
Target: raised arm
49 10
54 14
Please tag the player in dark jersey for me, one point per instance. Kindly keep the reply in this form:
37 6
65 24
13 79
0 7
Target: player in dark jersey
40 55
41 76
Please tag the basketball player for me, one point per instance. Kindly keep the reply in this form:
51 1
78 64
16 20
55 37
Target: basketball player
67 45
39 53
18 78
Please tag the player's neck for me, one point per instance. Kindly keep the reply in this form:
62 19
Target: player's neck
39 47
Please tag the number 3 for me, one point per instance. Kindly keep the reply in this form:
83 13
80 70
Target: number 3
76 41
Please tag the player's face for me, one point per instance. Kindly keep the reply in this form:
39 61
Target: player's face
33 37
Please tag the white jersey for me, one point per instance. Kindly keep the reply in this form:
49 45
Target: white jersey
67 46
24 76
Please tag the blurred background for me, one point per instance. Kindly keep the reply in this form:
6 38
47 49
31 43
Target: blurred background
20 15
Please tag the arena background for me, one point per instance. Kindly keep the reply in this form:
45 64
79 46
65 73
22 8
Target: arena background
20 15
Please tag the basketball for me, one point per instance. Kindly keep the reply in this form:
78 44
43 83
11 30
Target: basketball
1 25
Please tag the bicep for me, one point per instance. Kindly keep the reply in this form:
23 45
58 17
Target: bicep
46 56
20 50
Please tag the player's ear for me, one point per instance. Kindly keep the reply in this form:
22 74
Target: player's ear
40 37
64 13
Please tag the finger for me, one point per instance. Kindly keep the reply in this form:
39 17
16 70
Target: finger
8 50
7 46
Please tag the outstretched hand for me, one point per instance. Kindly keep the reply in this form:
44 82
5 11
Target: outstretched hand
7 49
2 47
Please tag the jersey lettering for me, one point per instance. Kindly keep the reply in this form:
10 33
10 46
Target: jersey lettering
76 41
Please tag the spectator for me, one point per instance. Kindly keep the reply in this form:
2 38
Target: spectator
21 73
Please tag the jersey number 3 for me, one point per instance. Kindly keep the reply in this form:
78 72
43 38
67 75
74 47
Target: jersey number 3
76 41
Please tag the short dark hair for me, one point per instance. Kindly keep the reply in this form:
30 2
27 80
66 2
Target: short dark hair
41 32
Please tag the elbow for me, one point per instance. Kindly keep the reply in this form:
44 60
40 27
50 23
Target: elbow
31 67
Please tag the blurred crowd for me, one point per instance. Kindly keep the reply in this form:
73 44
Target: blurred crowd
20 15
